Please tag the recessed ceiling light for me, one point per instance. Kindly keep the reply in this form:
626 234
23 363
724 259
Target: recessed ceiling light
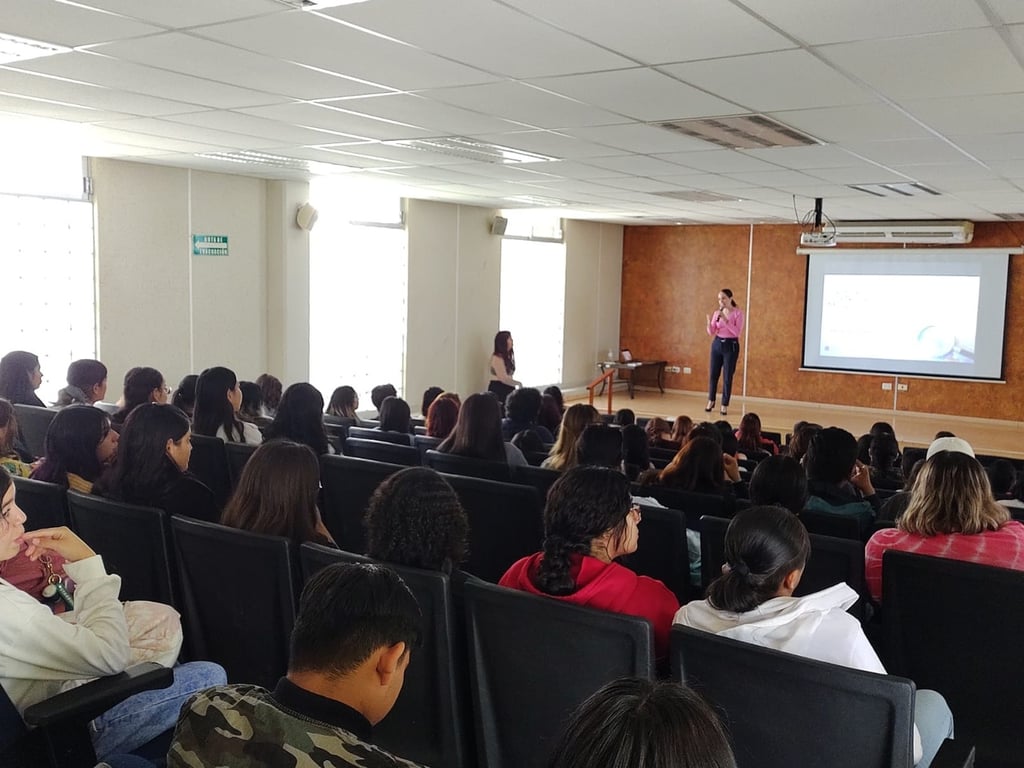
14 48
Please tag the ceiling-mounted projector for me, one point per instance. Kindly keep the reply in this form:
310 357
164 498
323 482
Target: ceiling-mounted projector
818 239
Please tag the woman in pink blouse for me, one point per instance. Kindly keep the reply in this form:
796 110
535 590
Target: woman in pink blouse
725 327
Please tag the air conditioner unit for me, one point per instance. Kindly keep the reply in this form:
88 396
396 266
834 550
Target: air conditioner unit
934 232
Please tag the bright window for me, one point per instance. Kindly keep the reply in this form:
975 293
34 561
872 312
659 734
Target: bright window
533 307
358 291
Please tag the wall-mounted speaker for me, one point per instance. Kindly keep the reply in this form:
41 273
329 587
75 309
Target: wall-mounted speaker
498 225
306 216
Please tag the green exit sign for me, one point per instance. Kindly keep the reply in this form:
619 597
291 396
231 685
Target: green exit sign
209 245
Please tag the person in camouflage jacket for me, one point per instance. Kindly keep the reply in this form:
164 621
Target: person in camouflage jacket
350 648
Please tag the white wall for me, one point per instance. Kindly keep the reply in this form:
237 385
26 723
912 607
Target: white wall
287 283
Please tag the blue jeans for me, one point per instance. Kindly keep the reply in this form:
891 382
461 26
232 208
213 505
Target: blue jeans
934 722
724 354
144 716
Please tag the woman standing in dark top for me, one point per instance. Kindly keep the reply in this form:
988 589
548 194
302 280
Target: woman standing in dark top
503 365
152 465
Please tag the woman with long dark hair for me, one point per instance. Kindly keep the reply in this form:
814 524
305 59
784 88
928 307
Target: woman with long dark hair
270 394
502 366
300 418
395 416
344 403
141 385
724 327
87 383
277 492
79 445
699 466
20 377
218 400
766 549
749 437
185 395
13 457
589 522
152 465
477 433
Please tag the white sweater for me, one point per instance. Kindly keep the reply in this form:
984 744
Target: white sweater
41 654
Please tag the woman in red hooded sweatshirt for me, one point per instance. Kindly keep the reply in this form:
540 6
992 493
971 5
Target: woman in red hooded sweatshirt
589 521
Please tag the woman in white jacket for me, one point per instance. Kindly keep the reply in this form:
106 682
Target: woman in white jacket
766 549
42 654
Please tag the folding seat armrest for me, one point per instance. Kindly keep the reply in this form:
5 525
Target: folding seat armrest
954 754
91 700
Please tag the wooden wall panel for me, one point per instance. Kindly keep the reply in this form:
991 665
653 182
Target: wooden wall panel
670 276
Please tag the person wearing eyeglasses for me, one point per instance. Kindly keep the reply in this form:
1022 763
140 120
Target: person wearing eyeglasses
589 522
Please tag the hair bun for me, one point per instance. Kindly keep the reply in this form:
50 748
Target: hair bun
740 568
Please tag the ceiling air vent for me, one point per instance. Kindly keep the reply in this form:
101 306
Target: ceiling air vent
936 232
741 132
471 149
1011 216
901 189
698 196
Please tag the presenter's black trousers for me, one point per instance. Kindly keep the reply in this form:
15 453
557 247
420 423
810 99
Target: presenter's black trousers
724 354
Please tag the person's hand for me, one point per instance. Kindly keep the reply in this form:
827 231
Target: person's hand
732 467
861 479
62 541
709 319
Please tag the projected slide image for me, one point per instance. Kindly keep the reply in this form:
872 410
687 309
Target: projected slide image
900 317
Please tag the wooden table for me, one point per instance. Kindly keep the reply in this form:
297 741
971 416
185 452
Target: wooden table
634 367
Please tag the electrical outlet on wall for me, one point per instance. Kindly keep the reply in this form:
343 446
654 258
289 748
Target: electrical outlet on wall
672 368
901 387
887 386
687 369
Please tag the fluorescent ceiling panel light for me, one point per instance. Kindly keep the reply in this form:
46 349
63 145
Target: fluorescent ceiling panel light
470 149
14 48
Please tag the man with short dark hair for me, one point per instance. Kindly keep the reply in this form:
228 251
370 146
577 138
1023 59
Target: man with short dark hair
349 652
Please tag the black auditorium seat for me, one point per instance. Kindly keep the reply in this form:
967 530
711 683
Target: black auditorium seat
348 485
379 450
381 435
469 467
44 504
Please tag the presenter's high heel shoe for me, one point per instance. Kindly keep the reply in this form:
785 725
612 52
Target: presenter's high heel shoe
724 411
711 406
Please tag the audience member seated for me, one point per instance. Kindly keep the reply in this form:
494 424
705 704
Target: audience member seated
563 453
300 418
522 407
477 433
87 383
44 654
13 457
779 481
528 441
151 468
943 433
884 456
643 724
802 433
430 394
1003 479
882 428
270 394
141 385
556 394
414 518
395 416
20 377
708 430
79 445
381 392
659 433
218 399
277 493
680 429
951 514
624 417
184 398
589 522
351 645
699 466
252 402
766 549
344 403
636 454
838 483
894 507
442 415
864 449
600 445
550 416
750 439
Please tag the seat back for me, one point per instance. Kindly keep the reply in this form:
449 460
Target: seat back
238 456
783 710
430 721
661 551
693 505
540 478
379 450
380 435
425 443
832 561
826 524
209 462
533 660
238 598
505 524
469 467
44 504
17 749
955 627
348 485
135 543
33 422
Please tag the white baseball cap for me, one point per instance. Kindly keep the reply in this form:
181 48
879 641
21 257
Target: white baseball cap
954 444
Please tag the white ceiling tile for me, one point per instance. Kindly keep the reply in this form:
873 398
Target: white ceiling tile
402 154
186 13
829 21
250 125
638 184
456 30
970 114
640 138
864 122
640 93
709 181
802 158
153 141
549 143
326 118
993 147
67 24
535 171
861 174
188 133
770 82
719 161
1010 11
576 170
35 106
123 75
430 114
965 175
655 31
314 40
637 165
333 157
965 63
781 179
907 151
